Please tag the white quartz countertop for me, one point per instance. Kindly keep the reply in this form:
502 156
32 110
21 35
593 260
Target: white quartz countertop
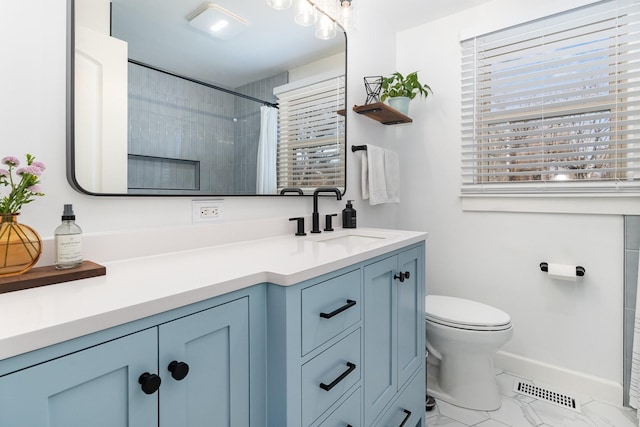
139 287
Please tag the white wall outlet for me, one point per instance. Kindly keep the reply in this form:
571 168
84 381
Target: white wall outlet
207 211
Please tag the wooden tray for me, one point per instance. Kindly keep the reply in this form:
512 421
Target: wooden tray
49 275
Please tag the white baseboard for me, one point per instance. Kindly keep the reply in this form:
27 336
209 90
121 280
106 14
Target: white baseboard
560 378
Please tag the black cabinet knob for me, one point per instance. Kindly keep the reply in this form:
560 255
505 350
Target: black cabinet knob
402 275
150 382
179 370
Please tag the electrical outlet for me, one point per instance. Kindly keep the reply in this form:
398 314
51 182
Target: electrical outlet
207 210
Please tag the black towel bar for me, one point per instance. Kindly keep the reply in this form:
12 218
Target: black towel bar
355 148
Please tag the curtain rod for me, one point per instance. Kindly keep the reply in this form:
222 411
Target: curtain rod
221 89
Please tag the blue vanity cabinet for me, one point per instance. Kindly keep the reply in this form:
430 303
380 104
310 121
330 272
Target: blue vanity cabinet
361 327
95 387
393 329
204 367
315 350
100 386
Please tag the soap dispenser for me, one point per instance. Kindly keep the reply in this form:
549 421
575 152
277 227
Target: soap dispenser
67 241
349 216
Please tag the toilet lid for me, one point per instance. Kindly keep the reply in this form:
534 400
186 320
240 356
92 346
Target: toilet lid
466 314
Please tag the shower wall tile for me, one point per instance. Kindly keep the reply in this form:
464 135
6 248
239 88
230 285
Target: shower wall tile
177 119
247 135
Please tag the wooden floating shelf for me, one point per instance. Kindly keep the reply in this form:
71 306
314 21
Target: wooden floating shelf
383 113
49 275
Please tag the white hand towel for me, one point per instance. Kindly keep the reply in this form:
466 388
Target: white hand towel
380 175
392 176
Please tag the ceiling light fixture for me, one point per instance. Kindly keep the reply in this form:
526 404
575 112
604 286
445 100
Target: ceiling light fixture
325 28
306 14
280 4
217 21
325 14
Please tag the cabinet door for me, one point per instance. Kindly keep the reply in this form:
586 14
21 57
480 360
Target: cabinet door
380 346
97 387
410 315
215 345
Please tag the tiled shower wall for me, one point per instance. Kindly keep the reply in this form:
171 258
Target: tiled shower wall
247 131
175 123
631 255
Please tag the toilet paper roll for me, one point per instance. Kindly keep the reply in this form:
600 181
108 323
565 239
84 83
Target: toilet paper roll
562 272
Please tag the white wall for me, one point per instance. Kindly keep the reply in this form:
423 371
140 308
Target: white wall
491 257
32 111
569 334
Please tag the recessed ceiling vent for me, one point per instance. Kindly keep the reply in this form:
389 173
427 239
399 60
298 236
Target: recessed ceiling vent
544 393
217 21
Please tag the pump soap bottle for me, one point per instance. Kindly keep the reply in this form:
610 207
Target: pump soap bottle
67 241
349 216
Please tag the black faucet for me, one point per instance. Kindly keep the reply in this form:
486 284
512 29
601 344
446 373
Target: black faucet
292 190
315 217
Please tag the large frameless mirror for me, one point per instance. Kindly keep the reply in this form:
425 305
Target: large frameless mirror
161 104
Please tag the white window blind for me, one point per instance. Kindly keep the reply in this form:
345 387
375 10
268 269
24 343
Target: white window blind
311 136
554 105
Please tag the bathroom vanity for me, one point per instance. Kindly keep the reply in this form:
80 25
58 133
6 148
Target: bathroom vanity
325 330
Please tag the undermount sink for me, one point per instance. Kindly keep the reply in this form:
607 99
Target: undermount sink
351 238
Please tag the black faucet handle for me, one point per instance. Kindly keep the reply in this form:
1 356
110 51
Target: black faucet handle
327 222
300 231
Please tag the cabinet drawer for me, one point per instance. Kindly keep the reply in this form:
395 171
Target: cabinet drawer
408 409
329 375
328 308
347 414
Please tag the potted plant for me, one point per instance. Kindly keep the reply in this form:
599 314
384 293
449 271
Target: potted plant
400 90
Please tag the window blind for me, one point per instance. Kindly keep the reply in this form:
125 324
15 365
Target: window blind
312 136
554 105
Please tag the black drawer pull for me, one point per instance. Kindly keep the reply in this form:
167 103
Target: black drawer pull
350 303
406 418
327 387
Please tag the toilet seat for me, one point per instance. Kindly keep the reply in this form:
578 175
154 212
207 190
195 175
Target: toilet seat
465 314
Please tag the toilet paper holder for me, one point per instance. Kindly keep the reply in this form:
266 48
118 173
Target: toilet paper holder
579 269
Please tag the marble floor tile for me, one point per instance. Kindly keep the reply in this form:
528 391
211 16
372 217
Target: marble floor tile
518 410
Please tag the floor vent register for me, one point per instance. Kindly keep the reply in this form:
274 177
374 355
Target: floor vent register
544 393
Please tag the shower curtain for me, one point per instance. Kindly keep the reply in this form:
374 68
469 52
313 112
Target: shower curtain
267 148
634 386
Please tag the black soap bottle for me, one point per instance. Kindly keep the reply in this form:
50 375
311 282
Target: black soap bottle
349 216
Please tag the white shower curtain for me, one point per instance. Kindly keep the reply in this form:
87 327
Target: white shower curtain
634 389
267 148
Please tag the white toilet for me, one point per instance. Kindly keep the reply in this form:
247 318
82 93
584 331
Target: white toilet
462 337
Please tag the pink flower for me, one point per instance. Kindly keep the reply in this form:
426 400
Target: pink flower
31 170
11 161
39 165
22 183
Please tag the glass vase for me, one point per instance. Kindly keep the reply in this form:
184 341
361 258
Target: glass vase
20 246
